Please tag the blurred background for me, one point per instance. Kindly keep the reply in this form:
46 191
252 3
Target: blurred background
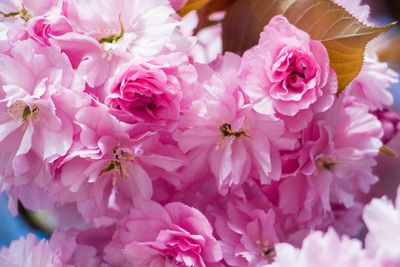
388 169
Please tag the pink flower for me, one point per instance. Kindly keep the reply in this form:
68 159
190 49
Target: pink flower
106 34
38 104
109 170
382 218
323 250
371 87
109 176
144 25
288 73
10 33
31 252
152 92
247 232
390 121
43 29
174 235
52 24
82 248
26 9
72 248
220 133
334 160
209 42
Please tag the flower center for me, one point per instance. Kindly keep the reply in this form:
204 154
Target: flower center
267 250
116 166
23 14
326 162
21 110
113 38
296 75
226 130
293 75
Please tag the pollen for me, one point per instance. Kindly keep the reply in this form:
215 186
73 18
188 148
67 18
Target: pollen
226 130
114 38
20 110
326 162
23 14
267 250
117 165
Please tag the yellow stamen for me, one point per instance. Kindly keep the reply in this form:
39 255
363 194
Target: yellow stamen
226 130
113 38
23 14
20 110
267 250
326 163
117 165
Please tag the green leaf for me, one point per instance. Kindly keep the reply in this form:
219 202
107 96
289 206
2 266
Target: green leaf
344 37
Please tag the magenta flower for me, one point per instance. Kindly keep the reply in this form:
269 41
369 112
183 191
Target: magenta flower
288 73
174 235
108 170
153 92
221 134
390 121
334 160
248 232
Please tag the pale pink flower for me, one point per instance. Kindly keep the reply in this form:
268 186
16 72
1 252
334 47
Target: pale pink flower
288 73
382 217
26 9
145 25
108 170
50 25
83 248
154 92
323 250
221 133
30 252
390 121
208 45
72 248
10 33
308 206
108 33
247 231
371 87
334 160
38 103
88 57
173 235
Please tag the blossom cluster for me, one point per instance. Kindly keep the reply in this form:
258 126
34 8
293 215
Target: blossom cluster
114 117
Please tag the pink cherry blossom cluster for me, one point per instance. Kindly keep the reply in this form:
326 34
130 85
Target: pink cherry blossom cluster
114 119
